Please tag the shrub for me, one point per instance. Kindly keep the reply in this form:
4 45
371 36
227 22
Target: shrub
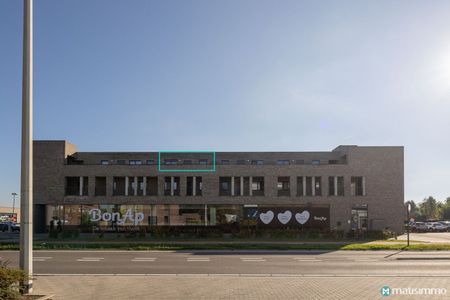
10 282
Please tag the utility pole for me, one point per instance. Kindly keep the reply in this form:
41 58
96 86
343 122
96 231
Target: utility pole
26 176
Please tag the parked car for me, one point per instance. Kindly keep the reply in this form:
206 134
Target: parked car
438 227
419 227
4 226
446 223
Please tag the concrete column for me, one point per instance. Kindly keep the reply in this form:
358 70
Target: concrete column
194 186
242 185
313 183
126 185
172 182
335 185
81 185
364 185
135 186
232 185
250 184
144 185
304 185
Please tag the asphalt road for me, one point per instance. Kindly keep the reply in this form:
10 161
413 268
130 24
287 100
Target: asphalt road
240 263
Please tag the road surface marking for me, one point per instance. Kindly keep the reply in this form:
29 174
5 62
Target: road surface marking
253 259
144 259
198 259
91 259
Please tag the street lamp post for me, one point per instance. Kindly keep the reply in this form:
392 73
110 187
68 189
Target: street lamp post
14 201
26 176
408 210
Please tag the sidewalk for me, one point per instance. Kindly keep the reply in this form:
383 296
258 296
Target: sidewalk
226 287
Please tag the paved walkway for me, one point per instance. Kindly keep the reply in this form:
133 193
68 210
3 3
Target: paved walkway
428 237
227 287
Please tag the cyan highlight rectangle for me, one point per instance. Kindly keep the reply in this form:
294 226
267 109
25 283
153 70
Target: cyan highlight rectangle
213 169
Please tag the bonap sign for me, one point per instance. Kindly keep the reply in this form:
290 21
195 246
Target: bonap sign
97 215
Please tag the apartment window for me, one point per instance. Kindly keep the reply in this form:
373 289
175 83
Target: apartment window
257 162
76 186
300 162
282 162
225 162
121 161
357 186
187 162
191 187
203 161
257 186
315 162
240 162
100 186
171 161
104 162
135 162
283 186
333 162
172 186
139 186
152 186
237 186
225 186
150 162
336 186
118 186
300 186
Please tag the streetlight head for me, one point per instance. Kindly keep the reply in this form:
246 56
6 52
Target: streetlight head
14 194
409 207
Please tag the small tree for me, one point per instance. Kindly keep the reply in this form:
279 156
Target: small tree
10 280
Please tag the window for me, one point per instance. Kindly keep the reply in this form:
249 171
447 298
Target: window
336 186
257 162
121 161
150 162
281 162
309 186
317 186
100 186
257 186
359 219
225 162
104 162
187 162
135 162
152 186
357 186
225 186
283 186
300 162
203 161
300 186
172 186
333 162
315 162
118 186
191 187
171 161
76 186
240 162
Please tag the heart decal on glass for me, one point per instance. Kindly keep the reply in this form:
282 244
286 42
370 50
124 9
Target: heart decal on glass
267 217
303 217
284 217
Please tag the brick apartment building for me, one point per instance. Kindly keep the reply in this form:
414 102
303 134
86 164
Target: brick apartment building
350 187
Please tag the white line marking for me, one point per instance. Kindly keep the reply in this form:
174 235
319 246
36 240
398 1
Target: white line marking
93 258
43 257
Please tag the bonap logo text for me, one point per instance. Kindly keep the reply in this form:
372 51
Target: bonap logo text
97 215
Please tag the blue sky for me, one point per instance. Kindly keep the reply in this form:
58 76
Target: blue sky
234 75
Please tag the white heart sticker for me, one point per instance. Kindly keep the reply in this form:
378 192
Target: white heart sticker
284 217
267 217
303 217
